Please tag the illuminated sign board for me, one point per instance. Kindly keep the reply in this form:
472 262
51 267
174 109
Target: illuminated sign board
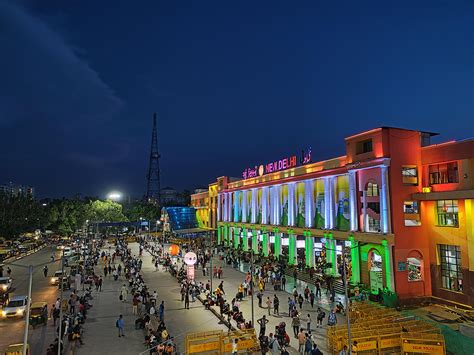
278 165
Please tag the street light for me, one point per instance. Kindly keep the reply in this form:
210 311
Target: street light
114 196
346 292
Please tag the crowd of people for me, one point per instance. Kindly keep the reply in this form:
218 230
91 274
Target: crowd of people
145 306
76 306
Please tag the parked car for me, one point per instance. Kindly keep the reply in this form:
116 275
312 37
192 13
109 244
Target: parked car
15 307
5 284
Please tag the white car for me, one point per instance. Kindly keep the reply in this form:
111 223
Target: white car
57 276
5 284
16 307
67 251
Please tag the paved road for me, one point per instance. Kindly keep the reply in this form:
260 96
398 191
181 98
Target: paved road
12 330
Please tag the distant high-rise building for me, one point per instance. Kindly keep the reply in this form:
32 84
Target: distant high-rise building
12 189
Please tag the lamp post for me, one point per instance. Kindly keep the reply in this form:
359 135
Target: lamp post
346 292
30 283
251 287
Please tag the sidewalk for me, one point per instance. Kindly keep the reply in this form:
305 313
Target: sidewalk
233 278
100 335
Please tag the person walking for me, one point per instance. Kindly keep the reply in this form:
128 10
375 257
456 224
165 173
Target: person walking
301 341
259 297
300 301
123 293
162 311
320 317
186 299
318 288
120 324
99 284
269 304
135 303
276 305
308 324
311 298
295 323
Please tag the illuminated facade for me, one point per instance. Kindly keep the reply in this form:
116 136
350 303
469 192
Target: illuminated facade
365 205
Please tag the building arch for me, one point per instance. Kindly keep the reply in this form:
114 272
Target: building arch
415 266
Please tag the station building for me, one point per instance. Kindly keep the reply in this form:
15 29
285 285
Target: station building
396 206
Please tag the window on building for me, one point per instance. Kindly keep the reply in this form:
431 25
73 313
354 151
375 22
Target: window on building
414 266
412 213
373 224
374 206
444 173
410 174
447 211
451 273
372 189
364 146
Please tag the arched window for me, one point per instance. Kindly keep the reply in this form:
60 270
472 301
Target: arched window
372 189
415 266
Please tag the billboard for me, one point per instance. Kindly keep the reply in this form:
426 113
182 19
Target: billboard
319 205
284 205
300 209
341 200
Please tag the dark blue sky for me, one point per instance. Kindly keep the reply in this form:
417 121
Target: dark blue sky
234 84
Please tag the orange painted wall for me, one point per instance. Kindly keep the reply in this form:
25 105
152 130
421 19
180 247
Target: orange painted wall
405 149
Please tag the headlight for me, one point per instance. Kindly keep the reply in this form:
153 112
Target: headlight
4 314
20 312
4 287
53 279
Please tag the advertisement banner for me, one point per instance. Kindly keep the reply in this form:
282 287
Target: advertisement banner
319 206
341 199
300 209
284 205
249 206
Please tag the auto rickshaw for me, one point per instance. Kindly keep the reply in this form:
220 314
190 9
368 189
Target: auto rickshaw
64 281
16 349
38 313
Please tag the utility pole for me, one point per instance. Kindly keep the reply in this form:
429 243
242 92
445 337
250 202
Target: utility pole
27 320
347 303
251 287
61 282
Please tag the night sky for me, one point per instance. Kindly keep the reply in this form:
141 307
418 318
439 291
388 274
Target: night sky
234 83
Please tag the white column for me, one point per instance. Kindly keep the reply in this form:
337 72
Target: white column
308 202
229 206
365 226
353 201
219 196
226 207
384 202
277 205
254 206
